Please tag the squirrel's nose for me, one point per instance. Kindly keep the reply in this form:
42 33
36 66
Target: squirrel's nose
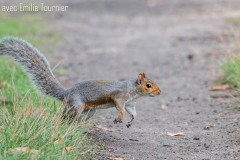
159 92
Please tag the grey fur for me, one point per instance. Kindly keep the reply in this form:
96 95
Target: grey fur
34 63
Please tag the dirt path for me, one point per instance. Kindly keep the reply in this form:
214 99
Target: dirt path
178 43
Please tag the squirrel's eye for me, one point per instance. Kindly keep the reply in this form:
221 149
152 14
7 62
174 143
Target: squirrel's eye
148 85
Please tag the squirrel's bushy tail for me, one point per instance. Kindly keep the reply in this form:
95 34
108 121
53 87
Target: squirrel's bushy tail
34 63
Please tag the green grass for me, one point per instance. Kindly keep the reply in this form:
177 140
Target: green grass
231 70
32 28
28 119
234 21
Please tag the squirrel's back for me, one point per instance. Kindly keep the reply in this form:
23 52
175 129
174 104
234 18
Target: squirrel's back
34 63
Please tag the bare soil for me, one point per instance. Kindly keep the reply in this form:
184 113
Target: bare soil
179 44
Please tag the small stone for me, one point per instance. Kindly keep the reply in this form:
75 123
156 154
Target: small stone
166 145
205 145
131 139
190 56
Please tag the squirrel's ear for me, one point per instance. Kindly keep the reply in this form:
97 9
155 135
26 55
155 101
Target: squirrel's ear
141 77
144 75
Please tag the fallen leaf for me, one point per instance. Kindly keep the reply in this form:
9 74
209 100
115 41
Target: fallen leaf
19 150
175 134
219 87
69 148
23 150
58 140
105 128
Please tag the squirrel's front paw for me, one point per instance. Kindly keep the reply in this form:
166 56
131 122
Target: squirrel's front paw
117 120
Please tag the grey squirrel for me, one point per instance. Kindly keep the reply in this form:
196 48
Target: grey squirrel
81 100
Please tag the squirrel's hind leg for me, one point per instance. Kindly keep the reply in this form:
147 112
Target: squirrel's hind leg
70 113
73 108
86 114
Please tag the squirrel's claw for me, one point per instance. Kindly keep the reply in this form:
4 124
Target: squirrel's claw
130 122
